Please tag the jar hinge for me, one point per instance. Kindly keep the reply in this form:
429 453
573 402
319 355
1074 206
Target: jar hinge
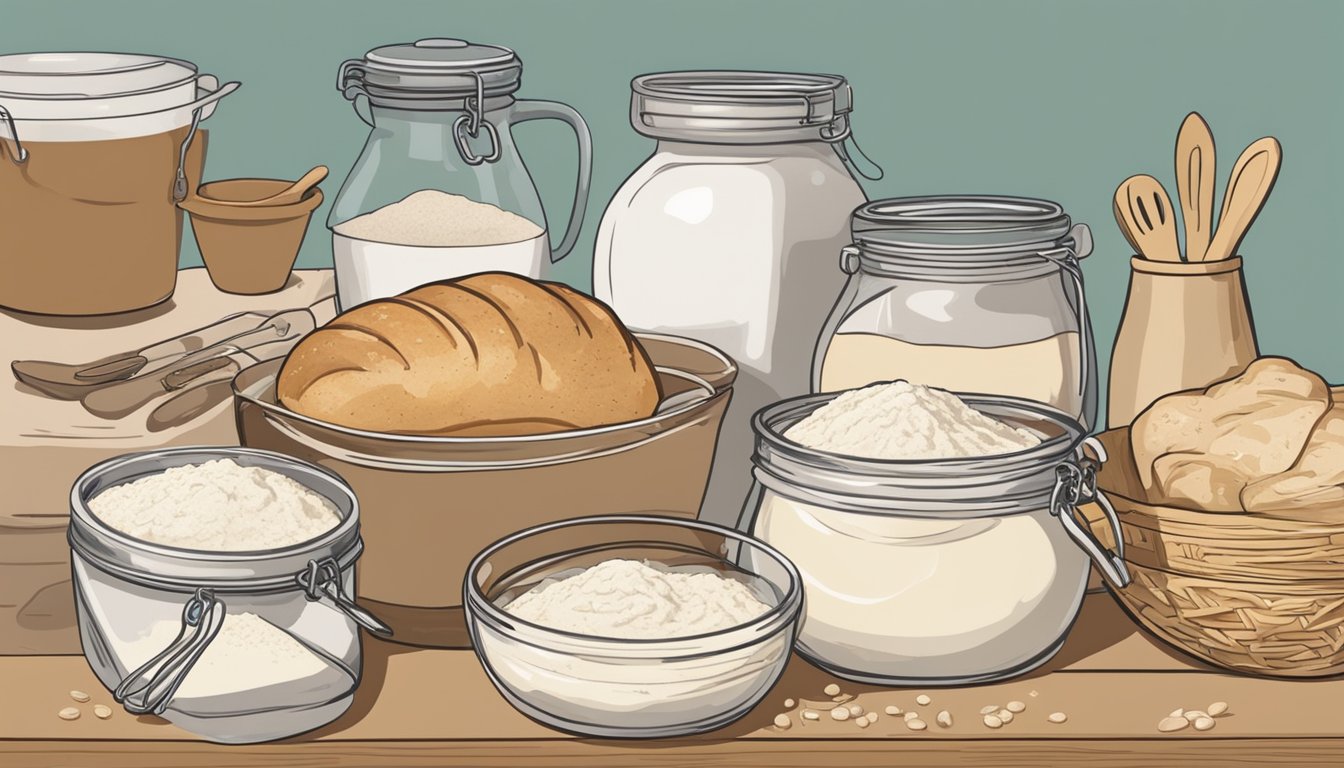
322 578
202 618
180 183
840 131
1075 485
20 155
470 124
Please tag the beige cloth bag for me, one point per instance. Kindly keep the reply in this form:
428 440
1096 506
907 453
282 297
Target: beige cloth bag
1185 326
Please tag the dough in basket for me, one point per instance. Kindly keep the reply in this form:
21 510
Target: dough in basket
1316 480
1202 449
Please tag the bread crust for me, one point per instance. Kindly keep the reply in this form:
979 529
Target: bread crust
489 354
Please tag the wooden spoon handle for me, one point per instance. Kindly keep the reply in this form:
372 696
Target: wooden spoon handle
1252 180
1196 164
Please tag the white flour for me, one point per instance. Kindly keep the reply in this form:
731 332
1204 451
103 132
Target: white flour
433 218
248 654
900 420
639 600
218 506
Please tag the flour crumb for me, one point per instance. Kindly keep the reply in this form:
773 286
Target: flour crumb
217 506
638 600
433 218
901 420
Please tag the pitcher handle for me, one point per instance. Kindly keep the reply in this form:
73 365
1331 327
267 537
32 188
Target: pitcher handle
525 110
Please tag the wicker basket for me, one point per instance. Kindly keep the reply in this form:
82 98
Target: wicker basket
1261 594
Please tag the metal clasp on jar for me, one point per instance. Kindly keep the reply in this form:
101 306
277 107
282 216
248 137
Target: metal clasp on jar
149 688
321 579
1075 485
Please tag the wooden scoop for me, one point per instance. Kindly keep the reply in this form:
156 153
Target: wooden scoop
1144 210
1252 179
1196 166
287 196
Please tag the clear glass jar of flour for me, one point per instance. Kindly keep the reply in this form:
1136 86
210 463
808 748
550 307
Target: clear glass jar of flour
237 647
968 294
442 114
933 572
727 234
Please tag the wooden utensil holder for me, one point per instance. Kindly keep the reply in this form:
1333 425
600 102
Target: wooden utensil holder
1185 326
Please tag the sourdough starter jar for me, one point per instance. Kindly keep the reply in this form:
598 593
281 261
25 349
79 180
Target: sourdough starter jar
933 572
727 234
968 294
236 647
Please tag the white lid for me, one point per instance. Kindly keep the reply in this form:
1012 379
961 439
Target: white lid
77 75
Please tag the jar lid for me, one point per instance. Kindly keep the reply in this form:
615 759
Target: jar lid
78 75
433 68
739 107
923 226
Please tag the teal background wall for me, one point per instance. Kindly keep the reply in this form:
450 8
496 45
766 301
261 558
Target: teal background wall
1053 98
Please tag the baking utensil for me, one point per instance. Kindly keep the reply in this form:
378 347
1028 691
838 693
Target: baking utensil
1147 211
1120 220
121 398
67 381
234 191
1252 180
1196 166
190 403
118 401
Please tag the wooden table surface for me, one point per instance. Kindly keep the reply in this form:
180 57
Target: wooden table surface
426 707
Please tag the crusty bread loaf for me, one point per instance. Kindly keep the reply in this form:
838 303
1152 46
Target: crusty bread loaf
489 354
1202 449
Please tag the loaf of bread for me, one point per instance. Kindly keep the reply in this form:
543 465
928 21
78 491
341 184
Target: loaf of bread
489 354
1239 442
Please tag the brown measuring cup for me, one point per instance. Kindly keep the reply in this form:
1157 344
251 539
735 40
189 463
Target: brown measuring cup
1185 326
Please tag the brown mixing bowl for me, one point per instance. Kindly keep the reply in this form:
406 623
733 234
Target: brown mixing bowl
428 504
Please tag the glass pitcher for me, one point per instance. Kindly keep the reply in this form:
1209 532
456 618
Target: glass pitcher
442 114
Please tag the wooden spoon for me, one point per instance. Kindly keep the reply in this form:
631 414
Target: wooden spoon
1121 200
1252 179
1145 207
1196 166
287 196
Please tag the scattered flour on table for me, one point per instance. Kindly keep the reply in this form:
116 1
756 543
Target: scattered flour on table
217 506
248 654
900 420
638 600
433 218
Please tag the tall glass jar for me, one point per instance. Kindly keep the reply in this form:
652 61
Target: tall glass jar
727 233
442 114
969 294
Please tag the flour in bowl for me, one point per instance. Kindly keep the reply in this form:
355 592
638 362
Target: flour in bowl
901 420
437 219
217 506
638 600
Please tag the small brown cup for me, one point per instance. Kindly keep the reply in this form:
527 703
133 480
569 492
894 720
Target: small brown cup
249 250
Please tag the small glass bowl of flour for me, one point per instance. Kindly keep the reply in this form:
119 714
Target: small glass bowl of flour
211 586
633 626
